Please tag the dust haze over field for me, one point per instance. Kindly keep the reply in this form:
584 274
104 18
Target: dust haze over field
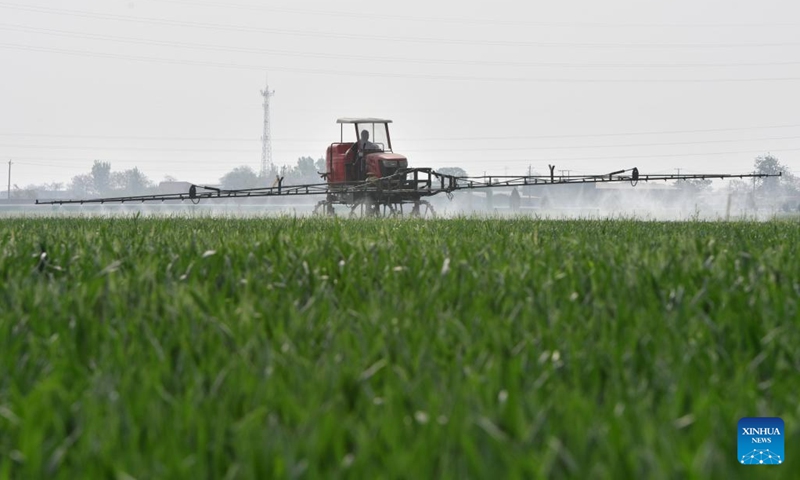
646 201
172 87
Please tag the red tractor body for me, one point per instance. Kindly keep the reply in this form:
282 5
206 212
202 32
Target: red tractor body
368 156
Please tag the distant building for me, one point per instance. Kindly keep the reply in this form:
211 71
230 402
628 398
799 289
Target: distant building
168 188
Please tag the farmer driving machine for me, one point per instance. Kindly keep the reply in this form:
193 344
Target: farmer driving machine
368 178
365 175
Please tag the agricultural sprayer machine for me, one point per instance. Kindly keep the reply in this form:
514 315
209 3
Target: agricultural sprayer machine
366 177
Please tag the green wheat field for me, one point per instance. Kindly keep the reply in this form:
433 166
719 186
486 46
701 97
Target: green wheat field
144 347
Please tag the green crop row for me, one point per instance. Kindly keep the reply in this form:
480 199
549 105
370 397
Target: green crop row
461 348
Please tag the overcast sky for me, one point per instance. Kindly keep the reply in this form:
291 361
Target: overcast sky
172 86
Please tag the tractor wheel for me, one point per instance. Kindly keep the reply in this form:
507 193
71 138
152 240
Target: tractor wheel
324 208
423 209
365 208
391 210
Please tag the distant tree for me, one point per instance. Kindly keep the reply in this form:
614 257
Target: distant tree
131 182
101 177
26 193
306 166
740 187
34 191
240 177
306 171
270 177
787 184
768 164
454 171
82 186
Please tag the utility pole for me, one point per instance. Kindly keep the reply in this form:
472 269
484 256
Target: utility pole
562 172
266 137
678 170
9 179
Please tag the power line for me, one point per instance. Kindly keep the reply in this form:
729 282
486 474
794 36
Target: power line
136 137
405 139
173 62
493 149
613 134
385 38
133 149
470 21
667 155
503 160
384 59
85 166
51 165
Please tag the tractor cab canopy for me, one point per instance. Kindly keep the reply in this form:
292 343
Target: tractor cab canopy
377 132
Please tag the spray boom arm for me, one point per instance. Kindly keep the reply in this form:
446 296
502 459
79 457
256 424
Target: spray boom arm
407 185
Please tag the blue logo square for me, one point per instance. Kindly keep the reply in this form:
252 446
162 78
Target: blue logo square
761 441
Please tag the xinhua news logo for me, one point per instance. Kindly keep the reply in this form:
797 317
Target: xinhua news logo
761 441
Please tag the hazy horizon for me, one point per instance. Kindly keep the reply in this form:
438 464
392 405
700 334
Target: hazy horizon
172 86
